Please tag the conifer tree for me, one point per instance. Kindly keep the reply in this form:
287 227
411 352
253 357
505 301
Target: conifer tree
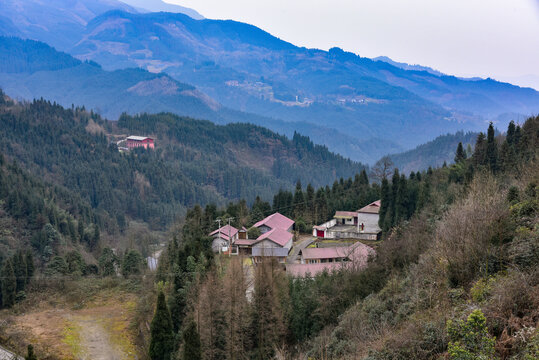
161 331
299 201
460 154
80 230
363 178
385 197
309 200
19 266
480 151
191 342
401 201
492 150
9 284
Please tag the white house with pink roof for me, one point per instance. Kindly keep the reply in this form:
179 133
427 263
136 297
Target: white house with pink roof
276 232
223 237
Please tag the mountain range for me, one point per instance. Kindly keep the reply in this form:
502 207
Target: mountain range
359 107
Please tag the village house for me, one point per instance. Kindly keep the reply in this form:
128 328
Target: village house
275 221
276 233
134 142
361 224
223 237
317 260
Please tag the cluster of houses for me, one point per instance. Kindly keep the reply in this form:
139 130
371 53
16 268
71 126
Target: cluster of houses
276 240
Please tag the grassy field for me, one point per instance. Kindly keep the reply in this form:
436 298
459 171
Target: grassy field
86 319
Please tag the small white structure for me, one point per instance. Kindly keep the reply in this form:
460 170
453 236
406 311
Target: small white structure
361 224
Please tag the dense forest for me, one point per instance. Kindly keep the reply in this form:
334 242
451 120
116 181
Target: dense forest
454 277
195 162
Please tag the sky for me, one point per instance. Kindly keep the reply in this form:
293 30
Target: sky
486 38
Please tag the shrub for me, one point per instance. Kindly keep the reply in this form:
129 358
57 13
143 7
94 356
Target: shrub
482 289
470 339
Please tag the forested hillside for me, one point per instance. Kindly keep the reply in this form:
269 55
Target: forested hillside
433 153
455 277
194 162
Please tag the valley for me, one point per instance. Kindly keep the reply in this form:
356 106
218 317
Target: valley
177 187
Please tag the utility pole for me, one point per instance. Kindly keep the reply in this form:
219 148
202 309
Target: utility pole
229 238
219 222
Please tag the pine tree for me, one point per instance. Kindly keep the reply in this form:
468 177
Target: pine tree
492 149
9 284
385 197
510 137
80 230
161 331
480 151
401 201
299 205
30 355
309 200
191 342
460 154
363 178
19 266
177 302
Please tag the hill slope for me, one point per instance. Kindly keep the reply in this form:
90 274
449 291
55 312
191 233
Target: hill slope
433 153
195 161
31 69
247 69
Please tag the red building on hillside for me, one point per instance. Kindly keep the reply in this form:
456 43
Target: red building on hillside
139 141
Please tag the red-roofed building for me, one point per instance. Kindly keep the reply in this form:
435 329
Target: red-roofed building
134 142
317 260
275 221
223 238
275 238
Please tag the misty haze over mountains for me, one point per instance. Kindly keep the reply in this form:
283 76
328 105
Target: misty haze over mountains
227 71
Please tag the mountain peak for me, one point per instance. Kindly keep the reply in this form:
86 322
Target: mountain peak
159 5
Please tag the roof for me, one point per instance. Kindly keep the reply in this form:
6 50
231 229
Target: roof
358 253
246 242
279 236
326 253
276 221
138 138
302 270
372 208
345 214
225 231
277 252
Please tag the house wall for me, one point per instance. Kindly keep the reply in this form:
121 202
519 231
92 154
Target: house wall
370 221
327 225
218 243
270 244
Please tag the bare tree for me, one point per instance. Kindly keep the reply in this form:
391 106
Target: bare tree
382 169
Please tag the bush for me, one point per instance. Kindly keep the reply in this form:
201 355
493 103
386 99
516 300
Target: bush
482 289
470 339
57 266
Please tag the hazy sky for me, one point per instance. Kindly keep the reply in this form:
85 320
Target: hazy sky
496 38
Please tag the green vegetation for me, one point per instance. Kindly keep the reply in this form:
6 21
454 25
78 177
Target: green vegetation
162 337
459 237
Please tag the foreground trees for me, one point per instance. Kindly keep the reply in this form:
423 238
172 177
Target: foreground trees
162 335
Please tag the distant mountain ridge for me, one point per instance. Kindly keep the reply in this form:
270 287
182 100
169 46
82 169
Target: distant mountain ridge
247 69
433 153
406 66
160 5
